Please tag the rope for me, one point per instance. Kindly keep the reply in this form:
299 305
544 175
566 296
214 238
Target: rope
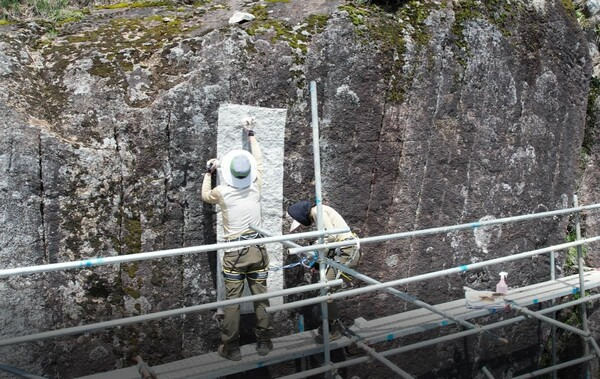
308 261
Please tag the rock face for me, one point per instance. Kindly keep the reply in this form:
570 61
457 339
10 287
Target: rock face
431 114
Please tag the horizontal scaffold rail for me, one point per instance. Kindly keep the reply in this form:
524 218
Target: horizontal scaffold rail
163 314
443 229
363 339
102 261
431 275
435 341
404 296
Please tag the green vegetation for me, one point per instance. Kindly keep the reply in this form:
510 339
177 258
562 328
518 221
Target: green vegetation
591 117
388 31
124 42
47 10
569 6
499 13
59 13
282 31
68 16
357 14
296 38
571 260
133 235
139 4
131 268
132 292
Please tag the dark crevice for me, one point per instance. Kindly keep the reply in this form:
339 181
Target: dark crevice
184 207
11 156
42 198
167 178
374 166
121 192
120 213
181 263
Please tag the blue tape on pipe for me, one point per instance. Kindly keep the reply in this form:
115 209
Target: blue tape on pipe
575 290
464 268
390 337
535 301
92 262
444 322
317 201
475 225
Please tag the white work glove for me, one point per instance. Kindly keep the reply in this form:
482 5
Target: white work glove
212 165
248 123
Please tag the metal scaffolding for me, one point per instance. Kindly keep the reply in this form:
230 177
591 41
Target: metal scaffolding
364 333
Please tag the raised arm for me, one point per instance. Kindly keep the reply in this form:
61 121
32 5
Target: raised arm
209 194
256 153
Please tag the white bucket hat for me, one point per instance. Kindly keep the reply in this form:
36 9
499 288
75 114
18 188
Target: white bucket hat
238 168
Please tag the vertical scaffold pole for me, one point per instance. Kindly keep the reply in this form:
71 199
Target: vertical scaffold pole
318 201
586 346
553 277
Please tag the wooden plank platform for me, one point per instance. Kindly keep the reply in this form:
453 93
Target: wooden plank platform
419 320
382 329
212 365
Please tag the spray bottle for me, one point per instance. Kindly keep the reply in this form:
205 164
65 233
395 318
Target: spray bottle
502 287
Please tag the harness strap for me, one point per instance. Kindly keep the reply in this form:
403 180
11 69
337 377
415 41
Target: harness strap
233 276
258 275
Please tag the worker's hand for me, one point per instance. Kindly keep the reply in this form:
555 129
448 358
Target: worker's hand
147 373
212 165
248 125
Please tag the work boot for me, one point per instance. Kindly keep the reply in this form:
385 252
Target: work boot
233 355
335 332
263 347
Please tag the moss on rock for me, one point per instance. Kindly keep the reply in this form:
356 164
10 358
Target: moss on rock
133 235
388 31
132 292
138 4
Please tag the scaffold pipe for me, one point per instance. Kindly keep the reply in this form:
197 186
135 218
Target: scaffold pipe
595 346
369 350
319 203
435 341
556 367
431 275
406 297
487 373
393 291
550 321
163 314
102 261
443 229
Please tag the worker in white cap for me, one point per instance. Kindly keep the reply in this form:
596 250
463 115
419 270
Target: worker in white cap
305 213
239 199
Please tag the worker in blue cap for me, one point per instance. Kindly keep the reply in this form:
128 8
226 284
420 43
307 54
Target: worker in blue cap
305 213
